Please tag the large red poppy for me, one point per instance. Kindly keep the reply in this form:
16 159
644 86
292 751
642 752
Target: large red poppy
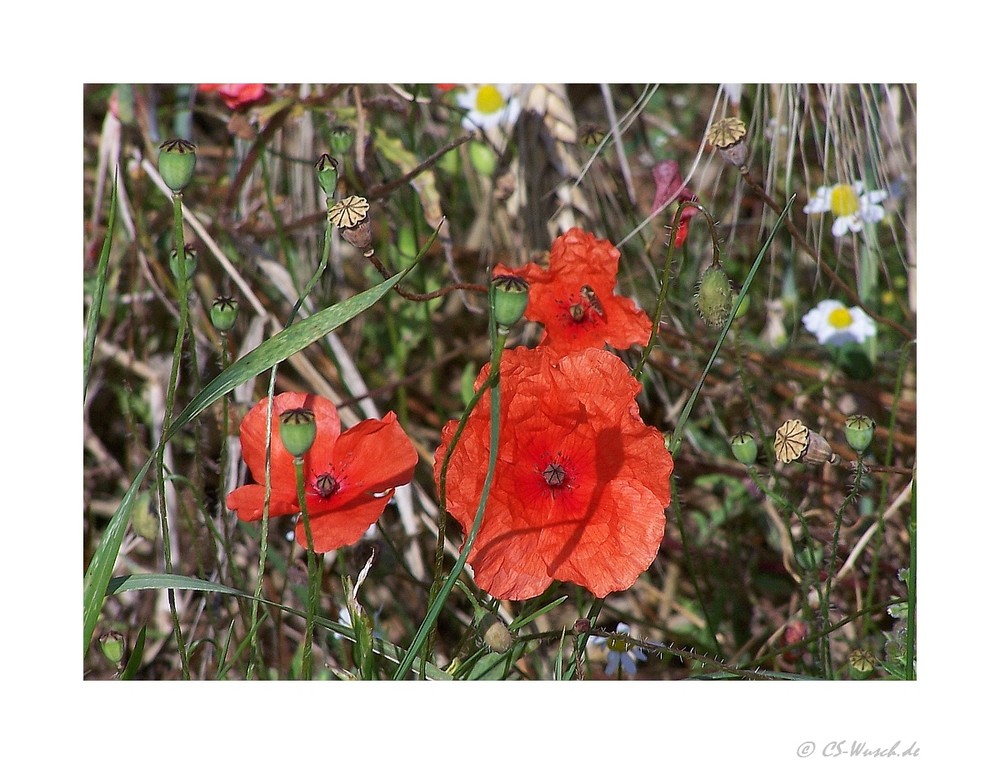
581 483
574 297
349 476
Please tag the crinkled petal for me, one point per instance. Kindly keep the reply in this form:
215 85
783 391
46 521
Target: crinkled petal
248 501
344 526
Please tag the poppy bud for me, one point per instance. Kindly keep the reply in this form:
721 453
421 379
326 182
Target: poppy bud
862 663
341 138
190 263
298 431
728 136
496 636
581 625
859 430
714 298
327 174
510 298
350 216
113 646
744 448
176 163
223 313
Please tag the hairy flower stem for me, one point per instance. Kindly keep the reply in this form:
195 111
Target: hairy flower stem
315 571
661 298
182 296
856 486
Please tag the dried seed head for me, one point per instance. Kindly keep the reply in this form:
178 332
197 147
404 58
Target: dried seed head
728 136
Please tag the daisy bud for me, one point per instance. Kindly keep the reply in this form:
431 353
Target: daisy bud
744 448
298 431
350 216
223 313
190 263
728 136
714 298
327 174
176 163
496 636
113 646
341 138
510 298
862 664
859 430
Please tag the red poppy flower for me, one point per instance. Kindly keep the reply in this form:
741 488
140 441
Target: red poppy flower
350 476
667 177
580 484
236 95
574 297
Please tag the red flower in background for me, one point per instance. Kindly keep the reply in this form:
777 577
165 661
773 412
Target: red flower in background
574 297
236 95
580 485
350 476
667 177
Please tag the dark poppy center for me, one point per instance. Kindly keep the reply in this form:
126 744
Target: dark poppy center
326 485
554 475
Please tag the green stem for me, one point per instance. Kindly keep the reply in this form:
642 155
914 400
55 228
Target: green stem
911 588
315 572
182 288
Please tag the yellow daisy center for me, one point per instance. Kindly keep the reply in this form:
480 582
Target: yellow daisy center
489 99
840 318
843 200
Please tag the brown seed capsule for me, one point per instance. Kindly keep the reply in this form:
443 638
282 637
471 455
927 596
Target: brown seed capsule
728 136
350 216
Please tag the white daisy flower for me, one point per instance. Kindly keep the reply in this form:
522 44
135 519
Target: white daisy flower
488 106
622 656
834 324
851 205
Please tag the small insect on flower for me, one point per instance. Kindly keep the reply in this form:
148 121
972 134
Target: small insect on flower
587 293
790 441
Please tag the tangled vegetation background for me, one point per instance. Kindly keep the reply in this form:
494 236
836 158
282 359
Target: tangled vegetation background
786 545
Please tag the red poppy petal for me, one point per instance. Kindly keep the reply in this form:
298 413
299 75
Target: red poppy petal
248 501
343 526
373 456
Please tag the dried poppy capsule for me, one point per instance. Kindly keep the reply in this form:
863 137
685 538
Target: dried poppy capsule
350 215
795 442
728 136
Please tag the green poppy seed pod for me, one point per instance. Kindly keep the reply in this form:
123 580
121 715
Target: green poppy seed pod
510 298
859 430
298 431
190 263
176 163
113 647
744 448
728 136
496 636
714 298
223 313
341 139
327 174
862 664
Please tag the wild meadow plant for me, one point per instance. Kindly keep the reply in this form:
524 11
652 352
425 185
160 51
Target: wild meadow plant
499 382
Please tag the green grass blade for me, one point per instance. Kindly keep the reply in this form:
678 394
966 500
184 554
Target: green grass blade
94 317
267 354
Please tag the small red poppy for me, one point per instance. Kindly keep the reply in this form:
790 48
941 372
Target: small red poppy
581 482
349 476
574 297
